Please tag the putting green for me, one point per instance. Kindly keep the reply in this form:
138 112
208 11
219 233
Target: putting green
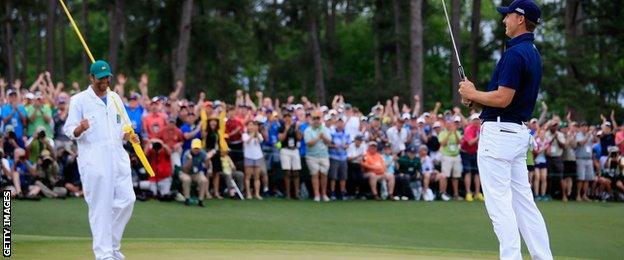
278 229
45 247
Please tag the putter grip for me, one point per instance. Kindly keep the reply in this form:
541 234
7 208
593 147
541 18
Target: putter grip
462 76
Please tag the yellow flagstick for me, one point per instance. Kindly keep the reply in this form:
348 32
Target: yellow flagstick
127 128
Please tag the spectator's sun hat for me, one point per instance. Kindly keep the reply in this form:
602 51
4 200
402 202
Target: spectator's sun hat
359 137
474 116
45 154
371 143
423 147
29 96
260 119
437 124
411 149
134 96
457 119
613 149
9 128
405 116
11 91
196 144
40 129
420 120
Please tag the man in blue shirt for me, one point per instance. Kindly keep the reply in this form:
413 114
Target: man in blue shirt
508 102
14 113
135 112
340 141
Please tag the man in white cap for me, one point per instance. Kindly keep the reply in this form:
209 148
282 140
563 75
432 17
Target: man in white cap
97 126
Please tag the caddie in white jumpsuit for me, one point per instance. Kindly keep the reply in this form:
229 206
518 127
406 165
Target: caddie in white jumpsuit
507 103
104 165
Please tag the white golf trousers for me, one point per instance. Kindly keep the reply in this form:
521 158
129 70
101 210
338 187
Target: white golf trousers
508 197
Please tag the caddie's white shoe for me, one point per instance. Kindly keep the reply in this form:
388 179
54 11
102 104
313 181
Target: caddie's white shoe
118 255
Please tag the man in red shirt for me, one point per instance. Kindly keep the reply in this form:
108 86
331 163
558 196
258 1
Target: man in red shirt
154 121
374 168
469 158
234 129
159 156
171 135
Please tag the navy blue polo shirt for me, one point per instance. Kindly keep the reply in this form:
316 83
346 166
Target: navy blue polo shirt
519 68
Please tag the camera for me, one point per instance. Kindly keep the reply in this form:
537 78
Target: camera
156 146
41 134
46 162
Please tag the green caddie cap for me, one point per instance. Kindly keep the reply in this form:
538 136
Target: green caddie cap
101 69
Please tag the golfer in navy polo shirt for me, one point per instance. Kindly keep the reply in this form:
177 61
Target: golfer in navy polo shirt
504 140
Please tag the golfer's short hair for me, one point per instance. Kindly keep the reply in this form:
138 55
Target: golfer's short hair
530 25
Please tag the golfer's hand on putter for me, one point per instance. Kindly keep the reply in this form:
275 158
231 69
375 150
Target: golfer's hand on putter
466 91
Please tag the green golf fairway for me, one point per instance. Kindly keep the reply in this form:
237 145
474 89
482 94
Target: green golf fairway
278 229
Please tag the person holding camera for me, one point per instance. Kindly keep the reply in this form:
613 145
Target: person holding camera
195 165
37 143
159 156
7 180
39 115
14 114
611 175
24 176
11 141
48 177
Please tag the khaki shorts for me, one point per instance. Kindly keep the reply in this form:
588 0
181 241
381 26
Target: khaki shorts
451 166
316 165
290 159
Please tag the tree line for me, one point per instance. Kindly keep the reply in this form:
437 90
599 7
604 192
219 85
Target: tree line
366 50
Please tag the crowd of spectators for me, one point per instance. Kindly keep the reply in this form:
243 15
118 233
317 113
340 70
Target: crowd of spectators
258 147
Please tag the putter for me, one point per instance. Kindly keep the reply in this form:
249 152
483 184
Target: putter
460 69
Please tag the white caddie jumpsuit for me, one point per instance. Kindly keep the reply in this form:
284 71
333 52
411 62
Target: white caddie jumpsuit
509 200
104 168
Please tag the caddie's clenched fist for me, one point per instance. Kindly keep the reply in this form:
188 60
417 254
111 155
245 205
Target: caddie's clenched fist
83 126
